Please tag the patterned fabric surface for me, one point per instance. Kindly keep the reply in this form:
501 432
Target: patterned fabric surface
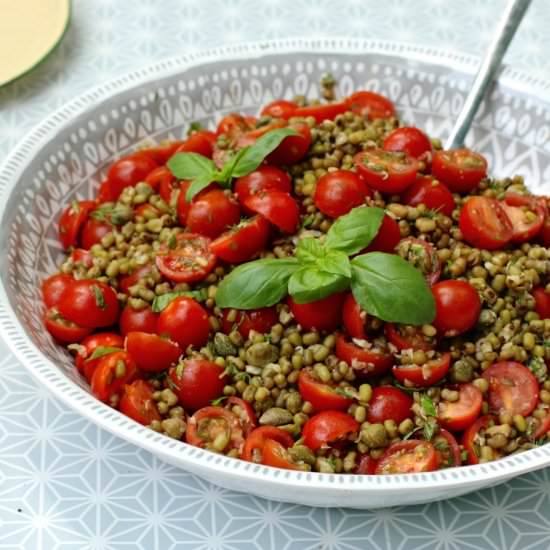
65 484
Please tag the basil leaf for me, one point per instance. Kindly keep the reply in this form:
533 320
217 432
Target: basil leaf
261 283
391 289
197 185
258 151
161 302
189 166
428 406
336 262
101 351
309 284
309 250
226 173
355 231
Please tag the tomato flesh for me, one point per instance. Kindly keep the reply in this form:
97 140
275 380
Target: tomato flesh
108 379
370 105
460 170
277 207
458 415
410 140
323 397
408 457
424 375
255 442
446 449
469 438
63 330
137 402
422 255
211 424
260 320
280 108
367 359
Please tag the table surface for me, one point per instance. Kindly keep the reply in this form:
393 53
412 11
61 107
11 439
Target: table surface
64 483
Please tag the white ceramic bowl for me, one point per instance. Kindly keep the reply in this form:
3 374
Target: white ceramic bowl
65 157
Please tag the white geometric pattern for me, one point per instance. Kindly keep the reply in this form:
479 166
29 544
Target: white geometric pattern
65 484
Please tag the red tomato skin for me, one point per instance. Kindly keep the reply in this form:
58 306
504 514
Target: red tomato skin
79 304
326 111
322 396
151 352
457 416
370 105
423 375
523 230
200 382
257 438
104 384
293 148
126 281
367 465
274 454
83 257
365 362
542 302
183 205
324 314
387 238
326 427
432 193
264 178
459 179
280 108
138 404
200 142
457 307
54 287
92 232
138 320
543 427
62 333
104 193
400 341
338 192
427 462
161 154
453 444
470 434
389 403
185 321
260 320
71 221
210 214
90 343
354 318
410 140
277 207
128 171
247 416
160 178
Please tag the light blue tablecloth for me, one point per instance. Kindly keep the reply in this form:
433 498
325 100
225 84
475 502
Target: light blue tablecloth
65 484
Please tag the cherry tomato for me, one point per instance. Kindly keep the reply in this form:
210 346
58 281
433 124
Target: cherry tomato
242 242
63 330
162 181
512 388
408 337
138 320
543 427
354 318
446 449
112 373
370 360
542 302
432 193
367 465
484 223
185 321
326 111
84 364
389 403
469 438
104 193
129 171
425 375
71 221
277 207
275 455
90 303
162 153
386 171
458 415
338 192
460 170
293 148
370 105
137 402
211 213
457 307
422 255
201 142
183 205
244 412
408 457
387 238
255 442
328 427
210 424
127 281
527 221
81 257
264 178
410 140
54 287
235 124
93 231
151 352
259 320
324 314
323 397
189 261
280 108
197 382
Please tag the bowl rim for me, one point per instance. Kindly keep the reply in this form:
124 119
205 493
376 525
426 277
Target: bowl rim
177 452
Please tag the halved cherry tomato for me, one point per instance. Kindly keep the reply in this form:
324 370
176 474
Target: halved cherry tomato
543 427
105 382
323 397
211 213
234 124
255 442
137 402
542 302
129 171
244 412
446 449
264 178
422 255
162 181
71 221
408 457
432 193
338 192
84 364
162 153
458 415
471 446
201 142
127 281
354 318
189 261
328 427
370 105
197 382
527 221
387 238
63 330
82 257
280 108
408 337
367 465
277 207
151 352
370 360
243 241
93 231
389 403
512 388
484 223
274 454
211 424
425 375
260 320
325 111
457 307
324 314
185 321
54 287
89 303
410 140
293 148
387 171
138 320
104 193
460 170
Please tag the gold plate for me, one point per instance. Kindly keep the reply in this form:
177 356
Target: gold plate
29 31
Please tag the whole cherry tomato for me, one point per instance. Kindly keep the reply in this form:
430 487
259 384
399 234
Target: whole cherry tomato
137 402
338 192
460 170
129 171
458 415
93 231
354 318
370 105
324 314
293 148
432 193
407 457
211 213
323 397
328 427
71 221
277 207
410 140
259 320
387 238
366 359
389 403
264 178
54 287
527 219
151 352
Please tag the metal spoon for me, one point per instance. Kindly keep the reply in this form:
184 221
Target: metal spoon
515 10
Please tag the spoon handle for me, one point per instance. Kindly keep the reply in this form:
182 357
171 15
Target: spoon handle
515 10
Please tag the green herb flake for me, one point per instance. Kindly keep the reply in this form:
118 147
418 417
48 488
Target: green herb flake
195 126
101 351
428 431
99 298
428 406
160 303
217 402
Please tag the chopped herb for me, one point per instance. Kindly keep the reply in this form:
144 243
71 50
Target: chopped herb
172 242
217 402
307 221
344 393
540 442
428 406
464 456
101 351
99 298
161 302
429 430
411 433
195 126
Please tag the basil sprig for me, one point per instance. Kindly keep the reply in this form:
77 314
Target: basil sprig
384 285
202 171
